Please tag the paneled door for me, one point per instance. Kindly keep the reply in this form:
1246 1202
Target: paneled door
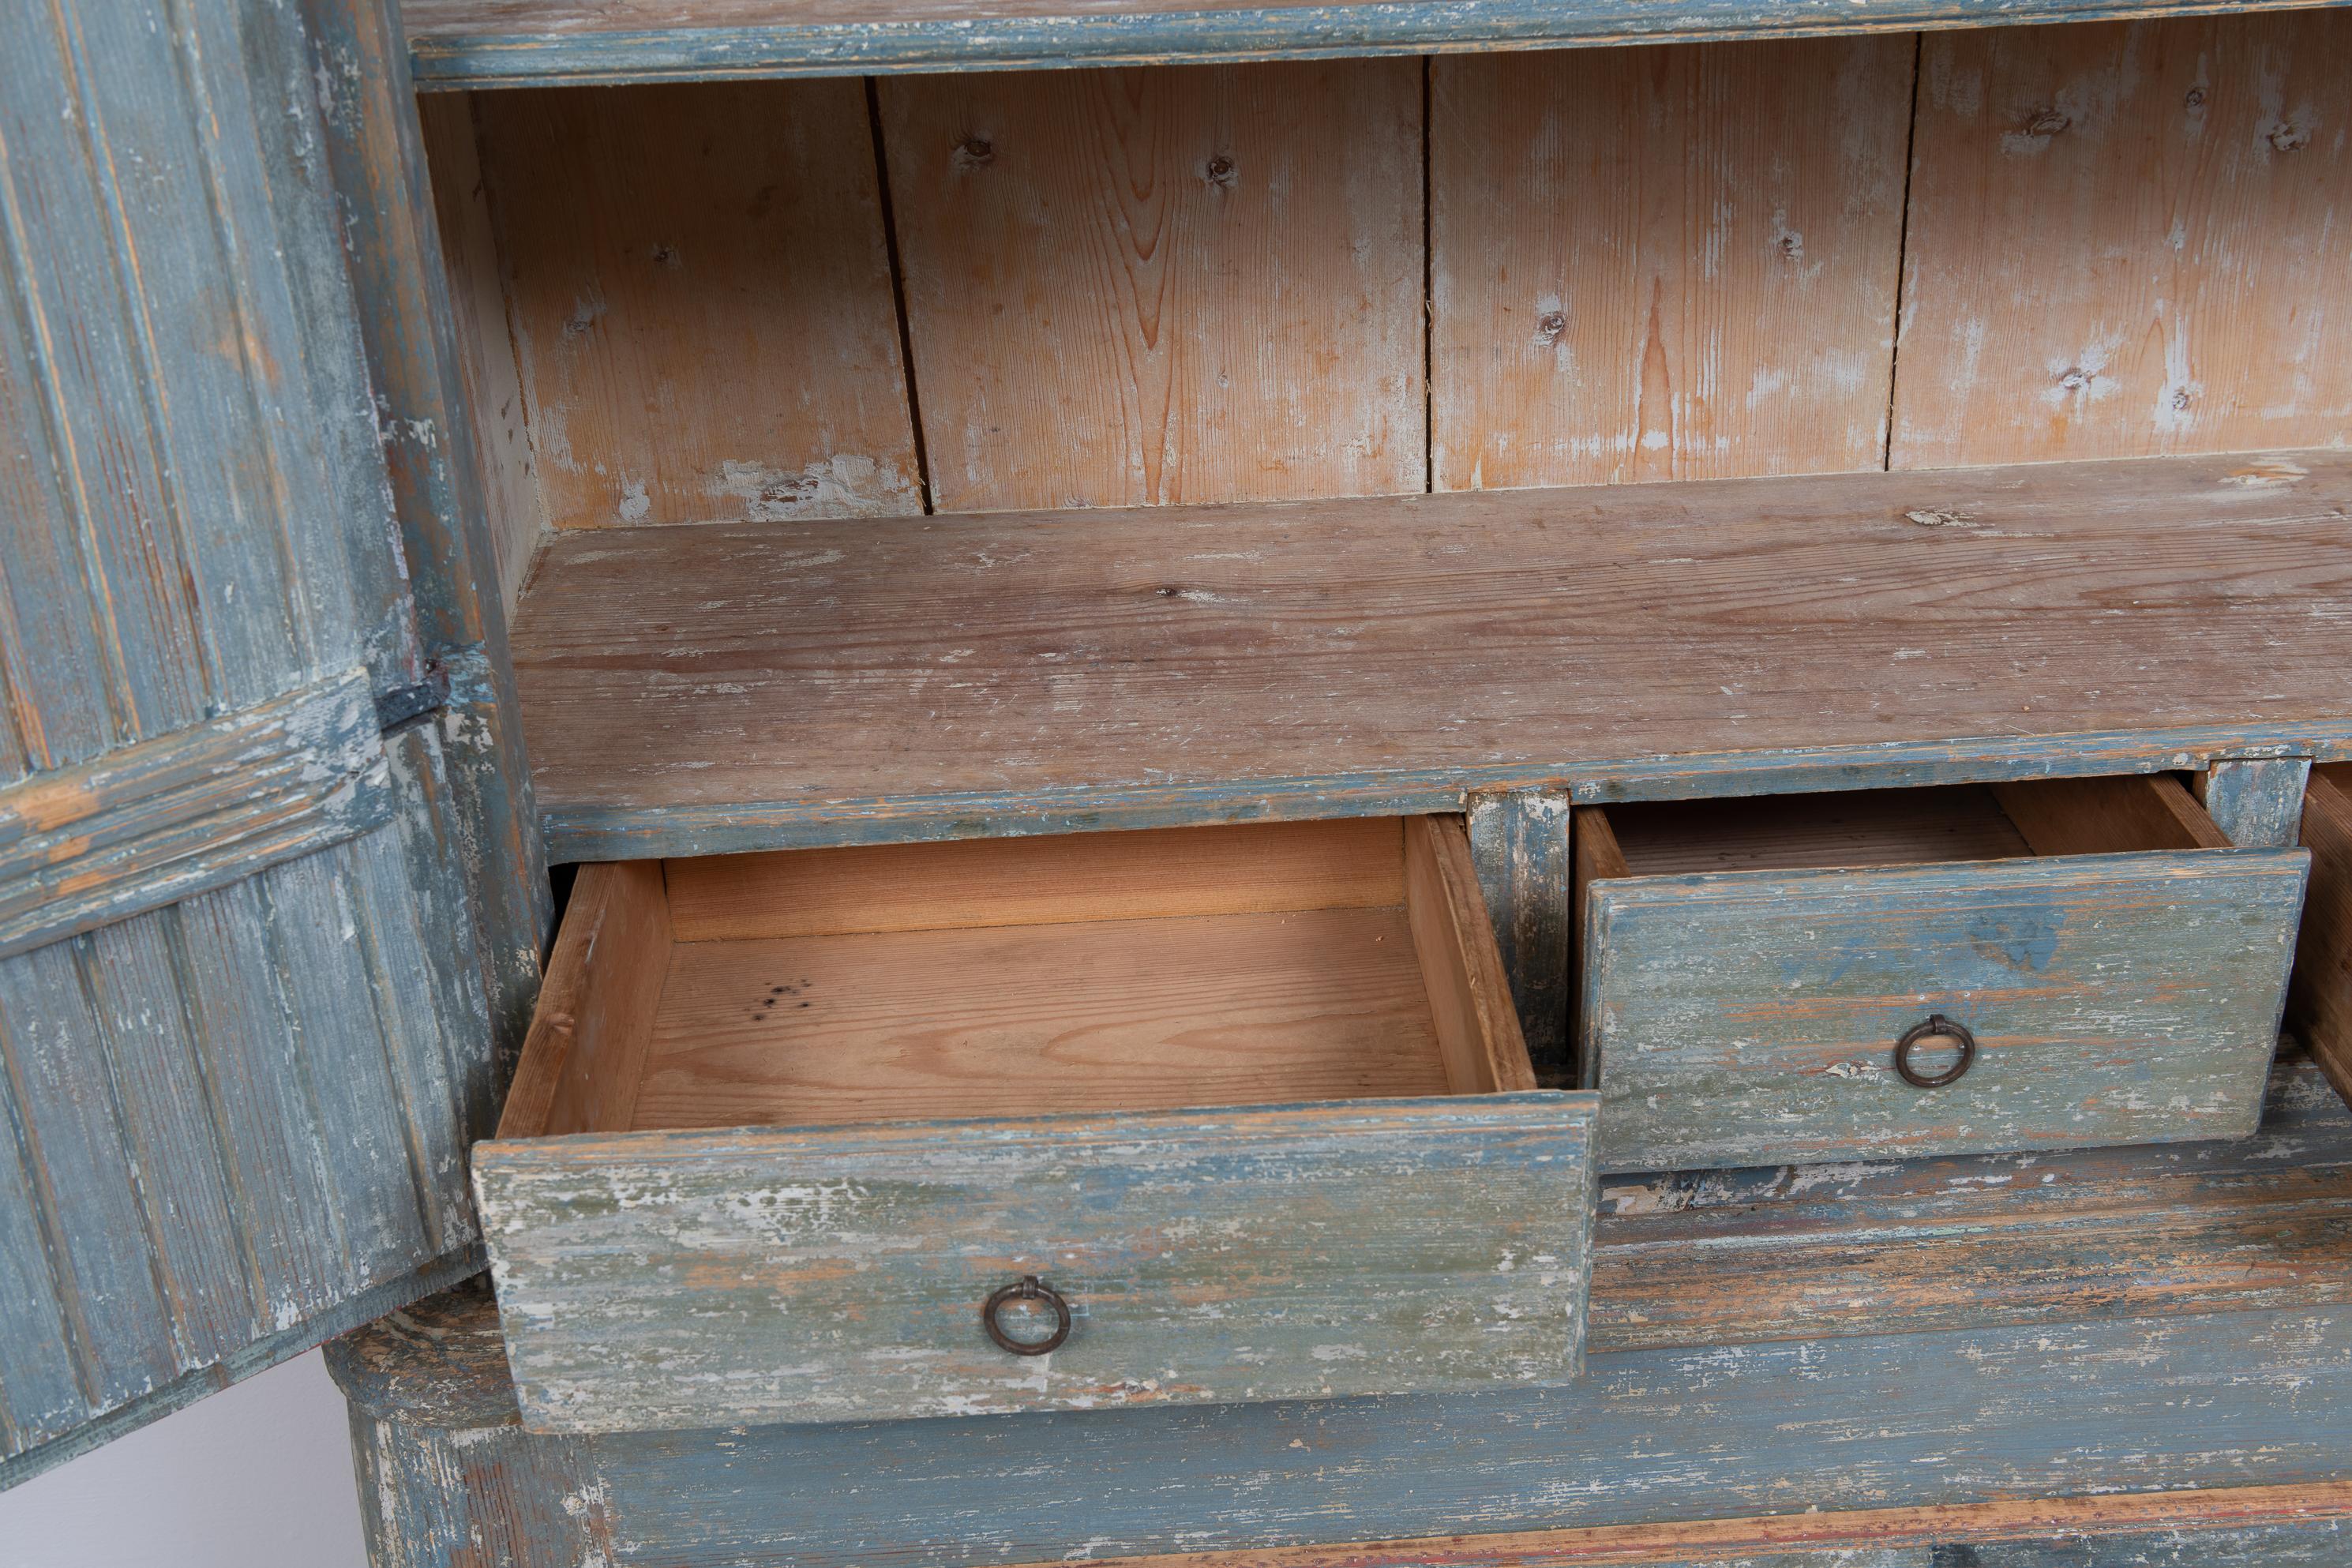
259 928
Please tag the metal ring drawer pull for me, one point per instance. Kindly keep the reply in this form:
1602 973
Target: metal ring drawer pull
1937 1027
1028 1288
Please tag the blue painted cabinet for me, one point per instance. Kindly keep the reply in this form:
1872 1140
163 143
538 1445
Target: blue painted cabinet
254 953
273 892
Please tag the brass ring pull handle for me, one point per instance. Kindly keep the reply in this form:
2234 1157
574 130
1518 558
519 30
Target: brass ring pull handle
1936 1028
1028 1288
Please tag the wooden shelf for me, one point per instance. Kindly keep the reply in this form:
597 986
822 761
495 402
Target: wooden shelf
710 688
508 43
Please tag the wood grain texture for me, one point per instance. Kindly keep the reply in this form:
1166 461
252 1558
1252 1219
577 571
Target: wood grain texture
2303 1543
154 823
1803 832
200 527
2258 804
1157 286
2126 240
492 376
403 418
701 298
1243 868
520 42
2031 1415
1722 1303
705 689
1663 264
1743 1017
1209 1256
2320 1000
1469 994
2108 816
593 1033
1032 1020
1965 1243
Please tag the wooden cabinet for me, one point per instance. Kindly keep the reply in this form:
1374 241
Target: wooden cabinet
838 1134
1026 549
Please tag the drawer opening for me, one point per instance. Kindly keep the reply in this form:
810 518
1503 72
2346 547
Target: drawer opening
1864 828
1157 970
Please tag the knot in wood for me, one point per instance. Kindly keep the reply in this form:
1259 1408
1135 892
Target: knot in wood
974 152
2048 123
2288 138
1551 325
1219 171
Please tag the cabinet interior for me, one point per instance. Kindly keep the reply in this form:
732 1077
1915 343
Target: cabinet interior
979 444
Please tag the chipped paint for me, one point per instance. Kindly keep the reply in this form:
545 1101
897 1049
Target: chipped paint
684 1279
1744 1017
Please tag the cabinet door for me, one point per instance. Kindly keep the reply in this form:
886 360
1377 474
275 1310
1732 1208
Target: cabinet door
256 923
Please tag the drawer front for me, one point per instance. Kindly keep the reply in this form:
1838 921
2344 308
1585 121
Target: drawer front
671 1280
1750 1018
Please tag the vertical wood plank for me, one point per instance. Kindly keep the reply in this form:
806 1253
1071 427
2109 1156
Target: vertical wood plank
166 1115
315 941
1173 284
271 1133
701 294
1478 1036
1664 263
404 350
54 1052
2128 239
493 379
2320 998
1519 842
2258 803
414 1002
39 1396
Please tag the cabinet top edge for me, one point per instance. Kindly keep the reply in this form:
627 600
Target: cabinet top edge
463 44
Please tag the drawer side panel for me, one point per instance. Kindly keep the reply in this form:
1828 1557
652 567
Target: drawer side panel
667 1279
1750 1018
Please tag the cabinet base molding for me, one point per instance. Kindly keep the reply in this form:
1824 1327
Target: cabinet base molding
1964 1350
1905 1536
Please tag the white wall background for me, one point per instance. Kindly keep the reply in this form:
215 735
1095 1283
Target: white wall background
259 1476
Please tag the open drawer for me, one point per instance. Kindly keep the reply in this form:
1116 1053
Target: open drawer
2030 965
1225 1113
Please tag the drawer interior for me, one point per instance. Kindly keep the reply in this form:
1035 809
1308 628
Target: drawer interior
1193 967
1862 828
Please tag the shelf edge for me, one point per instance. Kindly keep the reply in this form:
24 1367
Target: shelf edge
454 59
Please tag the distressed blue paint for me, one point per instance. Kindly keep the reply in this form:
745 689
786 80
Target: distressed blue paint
430 490
457 55
1519 842
2259 803
1742 1017
227 1108
576 834
2299 1544
1874 1421
347 1315
2098 1320
661 1279
197 808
